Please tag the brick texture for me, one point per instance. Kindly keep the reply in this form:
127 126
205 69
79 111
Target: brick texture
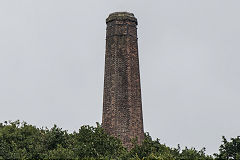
122 104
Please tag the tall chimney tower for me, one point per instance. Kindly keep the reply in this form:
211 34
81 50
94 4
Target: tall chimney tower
122 104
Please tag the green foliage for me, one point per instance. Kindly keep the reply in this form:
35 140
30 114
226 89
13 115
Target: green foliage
229 150
94 142
154 150
151 149
193 154
24 141
60 153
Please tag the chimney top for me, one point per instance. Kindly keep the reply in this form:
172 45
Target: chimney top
121 16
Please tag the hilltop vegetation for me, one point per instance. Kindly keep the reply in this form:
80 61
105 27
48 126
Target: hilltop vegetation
25 141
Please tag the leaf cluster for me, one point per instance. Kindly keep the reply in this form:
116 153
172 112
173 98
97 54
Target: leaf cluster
229 149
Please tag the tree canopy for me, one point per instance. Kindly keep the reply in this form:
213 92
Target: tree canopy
19 140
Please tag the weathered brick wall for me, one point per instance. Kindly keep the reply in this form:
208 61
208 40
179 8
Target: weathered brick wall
122 105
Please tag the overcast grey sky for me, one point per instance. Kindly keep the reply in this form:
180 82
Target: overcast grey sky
52 65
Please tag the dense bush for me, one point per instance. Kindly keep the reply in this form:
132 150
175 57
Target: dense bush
24 141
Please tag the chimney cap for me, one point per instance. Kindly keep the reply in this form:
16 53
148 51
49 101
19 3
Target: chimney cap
121 16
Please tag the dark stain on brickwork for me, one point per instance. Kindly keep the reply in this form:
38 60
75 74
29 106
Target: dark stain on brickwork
122 104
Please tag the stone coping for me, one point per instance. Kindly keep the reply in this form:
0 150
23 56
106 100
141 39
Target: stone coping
121 16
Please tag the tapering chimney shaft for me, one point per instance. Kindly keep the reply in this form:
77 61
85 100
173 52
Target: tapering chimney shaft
122 104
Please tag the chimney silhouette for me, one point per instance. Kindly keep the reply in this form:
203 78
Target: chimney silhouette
122 104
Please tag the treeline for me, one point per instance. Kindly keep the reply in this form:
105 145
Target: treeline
25 141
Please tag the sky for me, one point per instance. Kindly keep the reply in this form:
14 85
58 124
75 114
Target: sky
52 65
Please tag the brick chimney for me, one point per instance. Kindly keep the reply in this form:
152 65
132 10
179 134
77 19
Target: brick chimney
122 104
